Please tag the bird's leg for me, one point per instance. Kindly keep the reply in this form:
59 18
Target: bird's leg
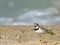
39 35
43 36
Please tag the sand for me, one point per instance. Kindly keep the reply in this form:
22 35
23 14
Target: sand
25 35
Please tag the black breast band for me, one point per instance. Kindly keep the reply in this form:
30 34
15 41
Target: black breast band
36 29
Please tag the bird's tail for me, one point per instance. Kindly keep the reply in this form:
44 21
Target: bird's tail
50 32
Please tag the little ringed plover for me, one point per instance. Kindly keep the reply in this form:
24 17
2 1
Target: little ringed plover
40 29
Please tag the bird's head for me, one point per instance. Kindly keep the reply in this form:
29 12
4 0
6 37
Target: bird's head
36 24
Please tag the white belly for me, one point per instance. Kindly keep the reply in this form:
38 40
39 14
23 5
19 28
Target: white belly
40 31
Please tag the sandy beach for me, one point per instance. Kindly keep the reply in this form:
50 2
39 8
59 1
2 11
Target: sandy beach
25 35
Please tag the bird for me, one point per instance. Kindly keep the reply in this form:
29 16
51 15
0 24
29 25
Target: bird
40 29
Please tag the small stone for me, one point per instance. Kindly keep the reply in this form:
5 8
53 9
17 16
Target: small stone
55 43
44 42
40 40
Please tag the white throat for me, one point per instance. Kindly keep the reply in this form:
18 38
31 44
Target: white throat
39 30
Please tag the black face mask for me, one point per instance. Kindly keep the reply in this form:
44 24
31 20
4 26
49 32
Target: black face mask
36 24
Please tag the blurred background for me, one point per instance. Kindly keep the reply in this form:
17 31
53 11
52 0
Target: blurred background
27 12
